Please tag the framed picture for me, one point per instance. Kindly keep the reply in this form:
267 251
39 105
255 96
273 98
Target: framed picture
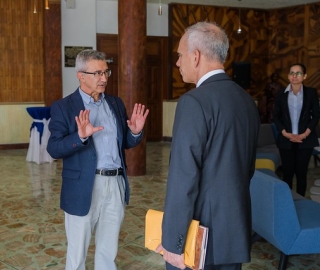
70 54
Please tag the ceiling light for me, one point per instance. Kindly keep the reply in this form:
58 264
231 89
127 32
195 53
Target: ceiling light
34 6
46 6
159 8
239 29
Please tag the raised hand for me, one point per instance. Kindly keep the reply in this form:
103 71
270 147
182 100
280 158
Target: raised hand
85 129
138 118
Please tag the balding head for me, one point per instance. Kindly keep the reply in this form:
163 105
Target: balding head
210 39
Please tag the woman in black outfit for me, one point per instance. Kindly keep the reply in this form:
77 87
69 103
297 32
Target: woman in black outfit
296 115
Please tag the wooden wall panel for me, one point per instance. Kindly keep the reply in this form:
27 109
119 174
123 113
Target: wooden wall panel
249 46
108 43
30 62
271 40
21 44
52 54
295 37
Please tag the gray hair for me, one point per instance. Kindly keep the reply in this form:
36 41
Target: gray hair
85 56
210 39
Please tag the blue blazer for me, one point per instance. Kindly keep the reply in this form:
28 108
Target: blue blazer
80 160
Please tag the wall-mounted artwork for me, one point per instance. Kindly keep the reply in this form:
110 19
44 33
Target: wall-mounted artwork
70 54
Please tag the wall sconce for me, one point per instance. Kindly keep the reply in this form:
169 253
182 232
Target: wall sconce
239 29
46 6
160 9
34 6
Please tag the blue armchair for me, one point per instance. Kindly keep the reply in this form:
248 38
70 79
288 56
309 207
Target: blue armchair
292 226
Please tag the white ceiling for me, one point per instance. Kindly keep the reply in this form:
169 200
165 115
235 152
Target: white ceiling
261 4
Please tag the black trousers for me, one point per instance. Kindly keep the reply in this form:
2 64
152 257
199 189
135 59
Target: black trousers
233 266
295 161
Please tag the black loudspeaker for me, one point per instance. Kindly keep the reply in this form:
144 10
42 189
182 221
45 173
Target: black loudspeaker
242 74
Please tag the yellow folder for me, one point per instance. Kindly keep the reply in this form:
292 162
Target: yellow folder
153 233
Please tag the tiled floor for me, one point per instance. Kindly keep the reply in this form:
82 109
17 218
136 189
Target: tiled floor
32 227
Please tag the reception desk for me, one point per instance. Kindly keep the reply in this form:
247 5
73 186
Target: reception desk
39 135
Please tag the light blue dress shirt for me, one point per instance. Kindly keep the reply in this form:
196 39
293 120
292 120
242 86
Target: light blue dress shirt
295 107
105 141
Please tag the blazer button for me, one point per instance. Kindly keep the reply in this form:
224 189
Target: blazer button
180 236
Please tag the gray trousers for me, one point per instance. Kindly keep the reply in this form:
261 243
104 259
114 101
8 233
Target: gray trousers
105 218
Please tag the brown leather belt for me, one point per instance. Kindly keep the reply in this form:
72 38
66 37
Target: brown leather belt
105 172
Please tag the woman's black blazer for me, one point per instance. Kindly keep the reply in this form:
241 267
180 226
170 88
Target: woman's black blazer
309 118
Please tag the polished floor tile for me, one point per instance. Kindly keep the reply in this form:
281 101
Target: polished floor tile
32 232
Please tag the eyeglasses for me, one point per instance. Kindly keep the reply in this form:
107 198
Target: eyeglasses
298 74
99 74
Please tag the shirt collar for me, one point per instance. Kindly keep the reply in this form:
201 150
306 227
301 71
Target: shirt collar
88 99
209 74
288 89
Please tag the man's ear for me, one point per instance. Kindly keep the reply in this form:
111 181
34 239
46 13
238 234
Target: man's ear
196 56
80 76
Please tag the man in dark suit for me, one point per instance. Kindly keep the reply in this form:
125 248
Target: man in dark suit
212 155
90 132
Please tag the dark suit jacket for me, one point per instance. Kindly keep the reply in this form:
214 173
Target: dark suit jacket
80 160
212 161
309 118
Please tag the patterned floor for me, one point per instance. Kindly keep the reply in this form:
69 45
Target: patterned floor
32 227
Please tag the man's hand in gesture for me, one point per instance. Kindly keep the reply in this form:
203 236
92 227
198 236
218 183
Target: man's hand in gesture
85 129
138 118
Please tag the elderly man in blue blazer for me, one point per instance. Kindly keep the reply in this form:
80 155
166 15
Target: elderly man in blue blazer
90 131
212 156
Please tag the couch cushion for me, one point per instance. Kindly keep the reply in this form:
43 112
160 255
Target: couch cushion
266 135
268 153
263 163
